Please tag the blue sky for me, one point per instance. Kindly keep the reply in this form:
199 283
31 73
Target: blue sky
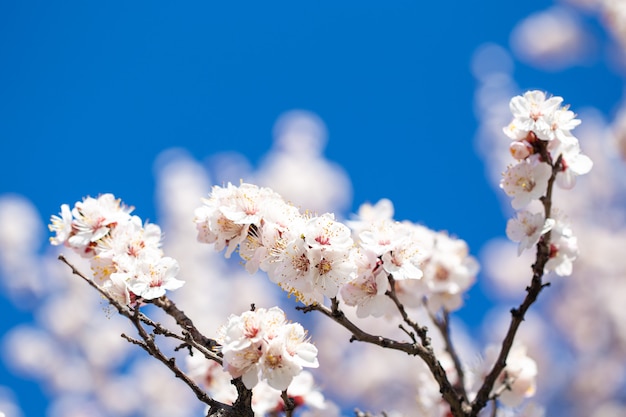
92 92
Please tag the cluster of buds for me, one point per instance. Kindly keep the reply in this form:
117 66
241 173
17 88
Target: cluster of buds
546 153
125 255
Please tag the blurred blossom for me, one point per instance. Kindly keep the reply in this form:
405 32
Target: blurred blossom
74 407
552 39
610 409
614 14
507 271
8 406
490 59
300 132
591 5
619 132
516 382
227 167
21 236
296 168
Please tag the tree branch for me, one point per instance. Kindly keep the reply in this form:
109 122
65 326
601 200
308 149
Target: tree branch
241 408
532 292
443 325
414 349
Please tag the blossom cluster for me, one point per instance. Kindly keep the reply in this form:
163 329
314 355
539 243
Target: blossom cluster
427 266
125 255
265 399
308 256
546 152
262 345
316 256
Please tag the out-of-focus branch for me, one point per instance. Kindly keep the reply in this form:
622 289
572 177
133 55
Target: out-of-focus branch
359 413
443 324
457 407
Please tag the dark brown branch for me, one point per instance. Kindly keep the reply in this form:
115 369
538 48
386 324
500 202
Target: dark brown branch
413 349
443 324
289 404
184 322
148 344
422 331
532 292
187 339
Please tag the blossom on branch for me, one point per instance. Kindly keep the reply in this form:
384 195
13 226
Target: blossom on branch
526 181
534 112
527 228
547 153
262 345
563 248
308 256
518 379
125 256
424 264
449 271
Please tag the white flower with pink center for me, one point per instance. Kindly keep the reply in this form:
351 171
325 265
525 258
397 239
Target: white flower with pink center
448 272
526 181
573 164
324 233
527 228
93 219
262 345
267 238
154 277
61 226
561 122
517 381
125 256
533 112
368 294
563 248
403 261
384 235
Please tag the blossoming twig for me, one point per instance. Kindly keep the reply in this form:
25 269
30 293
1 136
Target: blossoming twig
239 409
532 291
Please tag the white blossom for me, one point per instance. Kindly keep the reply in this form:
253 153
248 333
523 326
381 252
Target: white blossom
527 228
262 345
526 181
517 381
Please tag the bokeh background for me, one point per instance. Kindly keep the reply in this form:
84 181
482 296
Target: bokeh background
332 103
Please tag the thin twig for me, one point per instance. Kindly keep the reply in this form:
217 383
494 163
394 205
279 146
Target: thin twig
186 338
184 322
422 331
415 349
443 324
289 403
148 344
